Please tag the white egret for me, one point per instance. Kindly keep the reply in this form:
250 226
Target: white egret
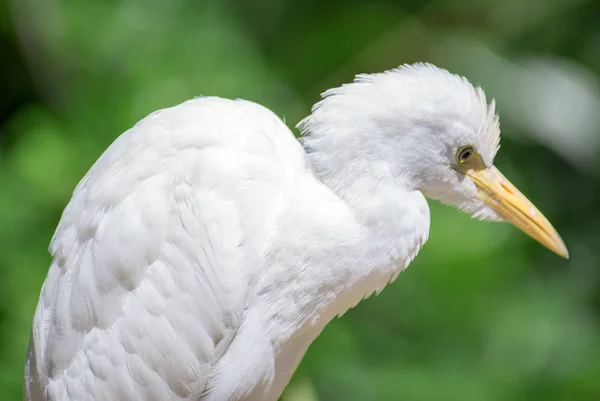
207 248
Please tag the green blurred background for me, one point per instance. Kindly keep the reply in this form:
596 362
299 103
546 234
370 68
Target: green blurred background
483 314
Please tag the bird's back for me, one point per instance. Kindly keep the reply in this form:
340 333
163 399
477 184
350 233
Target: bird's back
154 254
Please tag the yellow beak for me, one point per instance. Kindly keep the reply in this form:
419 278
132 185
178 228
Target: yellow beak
498 193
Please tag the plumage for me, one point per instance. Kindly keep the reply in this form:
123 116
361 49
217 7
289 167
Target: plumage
206 249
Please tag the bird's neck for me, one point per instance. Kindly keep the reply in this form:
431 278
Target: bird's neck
339 243
365 230
370 177
392 216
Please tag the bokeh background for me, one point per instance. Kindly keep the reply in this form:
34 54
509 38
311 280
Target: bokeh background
483 314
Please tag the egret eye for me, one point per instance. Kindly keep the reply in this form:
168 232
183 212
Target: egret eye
464 154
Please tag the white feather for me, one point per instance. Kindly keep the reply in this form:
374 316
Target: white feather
205 250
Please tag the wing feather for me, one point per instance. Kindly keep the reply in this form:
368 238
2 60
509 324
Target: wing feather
153 255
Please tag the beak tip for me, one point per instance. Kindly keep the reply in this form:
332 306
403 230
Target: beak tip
565 254
561 250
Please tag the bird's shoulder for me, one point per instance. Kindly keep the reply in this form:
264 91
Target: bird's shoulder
151 258
206 123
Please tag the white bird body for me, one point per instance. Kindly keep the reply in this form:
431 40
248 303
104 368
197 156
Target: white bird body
205 250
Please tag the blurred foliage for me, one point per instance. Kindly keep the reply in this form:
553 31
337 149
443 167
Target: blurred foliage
484 313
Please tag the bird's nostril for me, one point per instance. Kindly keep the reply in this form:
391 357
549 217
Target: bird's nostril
506 188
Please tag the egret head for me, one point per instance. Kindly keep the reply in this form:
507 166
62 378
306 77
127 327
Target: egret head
429 130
